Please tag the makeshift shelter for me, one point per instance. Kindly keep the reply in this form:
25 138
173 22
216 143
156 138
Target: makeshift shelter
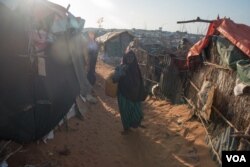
160 67
41 67
114 44
219 85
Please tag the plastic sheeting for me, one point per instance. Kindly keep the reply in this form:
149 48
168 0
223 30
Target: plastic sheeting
35 95
243 71
229 53
11 4
237 34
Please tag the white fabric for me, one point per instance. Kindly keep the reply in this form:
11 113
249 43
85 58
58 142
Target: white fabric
239 88
70 114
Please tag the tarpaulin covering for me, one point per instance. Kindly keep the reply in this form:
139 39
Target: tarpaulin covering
38 84
237 34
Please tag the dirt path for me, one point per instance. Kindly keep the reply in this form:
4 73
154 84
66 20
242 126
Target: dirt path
169 139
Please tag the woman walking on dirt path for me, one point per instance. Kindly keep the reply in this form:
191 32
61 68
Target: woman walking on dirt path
130 92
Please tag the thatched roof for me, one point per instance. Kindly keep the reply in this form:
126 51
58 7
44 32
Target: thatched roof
111 35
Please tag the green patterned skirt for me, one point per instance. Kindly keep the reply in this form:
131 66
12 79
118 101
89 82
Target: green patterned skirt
131 112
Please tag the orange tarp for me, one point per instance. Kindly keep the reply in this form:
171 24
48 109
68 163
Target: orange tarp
238 34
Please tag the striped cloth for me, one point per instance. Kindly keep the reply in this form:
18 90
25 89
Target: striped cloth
131 112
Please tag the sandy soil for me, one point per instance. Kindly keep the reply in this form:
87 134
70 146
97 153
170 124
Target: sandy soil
170 139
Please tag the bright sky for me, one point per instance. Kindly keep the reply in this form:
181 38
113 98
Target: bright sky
152 14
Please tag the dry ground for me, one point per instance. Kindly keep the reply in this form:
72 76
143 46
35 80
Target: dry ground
169 140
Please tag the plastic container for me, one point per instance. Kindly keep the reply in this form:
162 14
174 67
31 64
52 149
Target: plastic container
110 87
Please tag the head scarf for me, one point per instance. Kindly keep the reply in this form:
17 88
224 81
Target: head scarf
131 84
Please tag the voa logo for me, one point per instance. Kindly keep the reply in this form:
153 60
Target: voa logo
236 158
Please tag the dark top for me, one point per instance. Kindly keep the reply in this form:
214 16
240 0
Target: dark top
130 84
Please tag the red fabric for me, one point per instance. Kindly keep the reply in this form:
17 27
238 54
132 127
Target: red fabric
238 34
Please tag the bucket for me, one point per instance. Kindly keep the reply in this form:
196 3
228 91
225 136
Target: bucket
110 87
